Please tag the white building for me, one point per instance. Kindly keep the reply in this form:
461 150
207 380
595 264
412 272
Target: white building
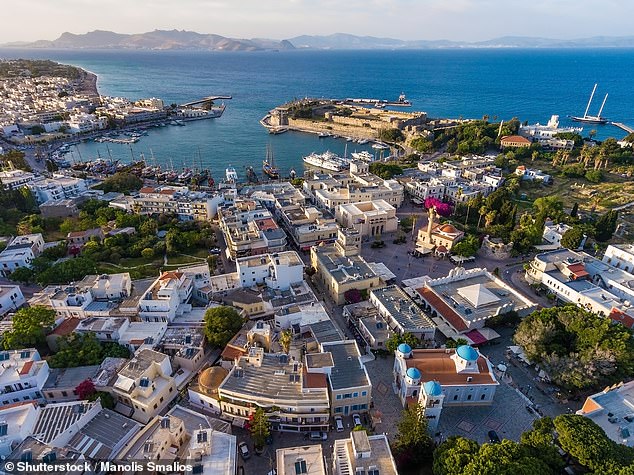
620 256
17 423
11 299
546 134
166 298
144 386
306 459
276 271
57 188
402 314
443 377
363 454
370 218
20 253
212 452
14 179
530 174
22 376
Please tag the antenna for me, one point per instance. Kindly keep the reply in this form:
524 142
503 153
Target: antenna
601 110
585 114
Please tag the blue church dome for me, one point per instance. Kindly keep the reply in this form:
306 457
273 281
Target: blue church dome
432 388
413 373
467 353
404 348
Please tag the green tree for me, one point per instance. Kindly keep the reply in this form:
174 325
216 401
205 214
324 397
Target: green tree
575 210
584 440
578 349
147 253
573 237
594 176
385 170
391 135
67 271
412 445
107 401
23 275
221 324
286 337
259 427
392 343
606 225
121 182
467 247
29 327
453 455
451 343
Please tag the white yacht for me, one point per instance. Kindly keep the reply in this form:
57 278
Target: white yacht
365 156
231 174
327 161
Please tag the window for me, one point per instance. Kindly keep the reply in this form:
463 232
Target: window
455 398
338 409
338 396
482 396
355 394
64 393
364 393
300 467
469 397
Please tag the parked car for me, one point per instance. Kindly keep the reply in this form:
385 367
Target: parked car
243 449
493 437
356 419
316 435
339 423
214 251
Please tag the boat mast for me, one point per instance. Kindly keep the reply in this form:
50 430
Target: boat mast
585 114
601 110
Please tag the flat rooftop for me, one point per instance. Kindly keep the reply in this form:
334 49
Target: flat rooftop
376 450
272 380
305 459
402 308
286 258
613 411
98 439
348 371
343 269
438 365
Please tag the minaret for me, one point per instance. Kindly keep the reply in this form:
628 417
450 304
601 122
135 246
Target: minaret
431 213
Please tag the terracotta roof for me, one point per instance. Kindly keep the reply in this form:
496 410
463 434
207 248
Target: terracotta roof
441 248
618 316
146 189
448 228
445 310
230 353
168 191
267 223
137 341
171 275
315 380
590 406
26 368
66 327
438 365
515 139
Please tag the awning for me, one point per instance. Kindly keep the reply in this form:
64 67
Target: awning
476 337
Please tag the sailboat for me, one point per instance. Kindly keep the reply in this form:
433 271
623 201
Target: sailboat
268 165
592 119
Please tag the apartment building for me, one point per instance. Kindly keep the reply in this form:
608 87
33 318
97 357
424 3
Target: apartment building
306 225
348 381
167 297
11 299
306 459
16 179
402 315
212 452
144 386
57 188
163 439
363 454
276 271
294 400
22 376
20 253
188 205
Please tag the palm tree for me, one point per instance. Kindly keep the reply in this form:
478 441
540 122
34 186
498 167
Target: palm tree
286 337
482 211
489 218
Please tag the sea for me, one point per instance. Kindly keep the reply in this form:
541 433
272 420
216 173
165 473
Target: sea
530 84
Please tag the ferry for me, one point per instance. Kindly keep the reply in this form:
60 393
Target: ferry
592 119
365 156
327 161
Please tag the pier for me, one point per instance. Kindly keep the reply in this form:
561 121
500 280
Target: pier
205 100
622 126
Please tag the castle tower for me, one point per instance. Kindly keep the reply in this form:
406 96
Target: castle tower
431 401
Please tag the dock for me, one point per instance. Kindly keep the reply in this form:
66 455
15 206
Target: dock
205 100
622 126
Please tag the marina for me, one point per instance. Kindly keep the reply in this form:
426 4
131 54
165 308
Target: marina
327 161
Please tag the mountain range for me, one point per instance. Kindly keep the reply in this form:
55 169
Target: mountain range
189 40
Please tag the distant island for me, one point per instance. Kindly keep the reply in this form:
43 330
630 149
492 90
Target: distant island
171 40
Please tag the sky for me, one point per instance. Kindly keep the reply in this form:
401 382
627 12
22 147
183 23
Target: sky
458 20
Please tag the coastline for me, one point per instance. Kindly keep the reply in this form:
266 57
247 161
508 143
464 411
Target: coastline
88 84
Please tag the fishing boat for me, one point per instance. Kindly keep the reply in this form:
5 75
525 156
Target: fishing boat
327 161
268 165
592 119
